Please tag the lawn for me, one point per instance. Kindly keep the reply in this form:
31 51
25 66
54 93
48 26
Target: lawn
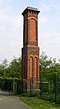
37 103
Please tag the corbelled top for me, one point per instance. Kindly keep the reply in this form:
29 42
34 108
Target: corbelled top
31 8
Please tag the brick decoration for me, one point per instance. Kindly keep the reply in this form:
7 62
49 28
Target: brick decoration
30 50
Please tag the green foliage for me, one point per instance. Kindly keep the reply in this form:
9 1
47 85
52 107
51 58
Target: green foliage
10 73
48 67
49 78
13 69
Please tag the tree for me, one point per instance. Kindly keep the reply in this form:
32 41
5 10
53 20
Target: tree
3 67
5 63
14 69
48 67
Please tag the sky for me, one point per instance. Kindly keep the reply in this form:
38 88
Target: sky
11 27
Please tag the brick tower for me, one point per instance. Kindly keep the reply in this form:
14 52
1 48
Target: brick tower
30 50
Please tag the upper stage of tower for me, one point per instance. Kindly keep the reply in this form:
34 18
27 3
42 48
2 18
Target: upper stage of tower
31 9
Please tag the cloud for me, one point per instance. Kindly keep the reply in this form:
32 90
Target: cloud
55 7
50 43
47 7
46 38
10 22
43 20
10 31
44 7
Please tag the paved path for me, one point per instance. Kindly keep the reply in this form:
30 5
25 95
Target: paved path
8 101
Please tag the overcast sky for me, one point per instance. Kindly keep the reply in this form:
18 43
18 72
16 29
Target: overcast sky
11 27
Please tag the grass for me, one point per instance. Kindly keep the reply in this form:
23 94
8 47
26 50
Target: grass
37 103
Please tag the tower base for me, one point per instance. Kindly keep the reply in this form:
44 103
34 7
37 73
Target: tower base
31 86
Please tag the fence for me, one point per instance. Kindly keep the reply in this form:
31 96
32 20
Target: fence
11 84
20 86
50 90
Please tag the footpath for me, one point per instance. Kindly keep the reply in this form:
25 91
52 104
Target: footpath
8 101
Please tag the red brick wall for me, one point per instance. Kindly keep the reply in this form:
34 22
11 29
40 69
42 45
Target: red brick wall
33 34
30 50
